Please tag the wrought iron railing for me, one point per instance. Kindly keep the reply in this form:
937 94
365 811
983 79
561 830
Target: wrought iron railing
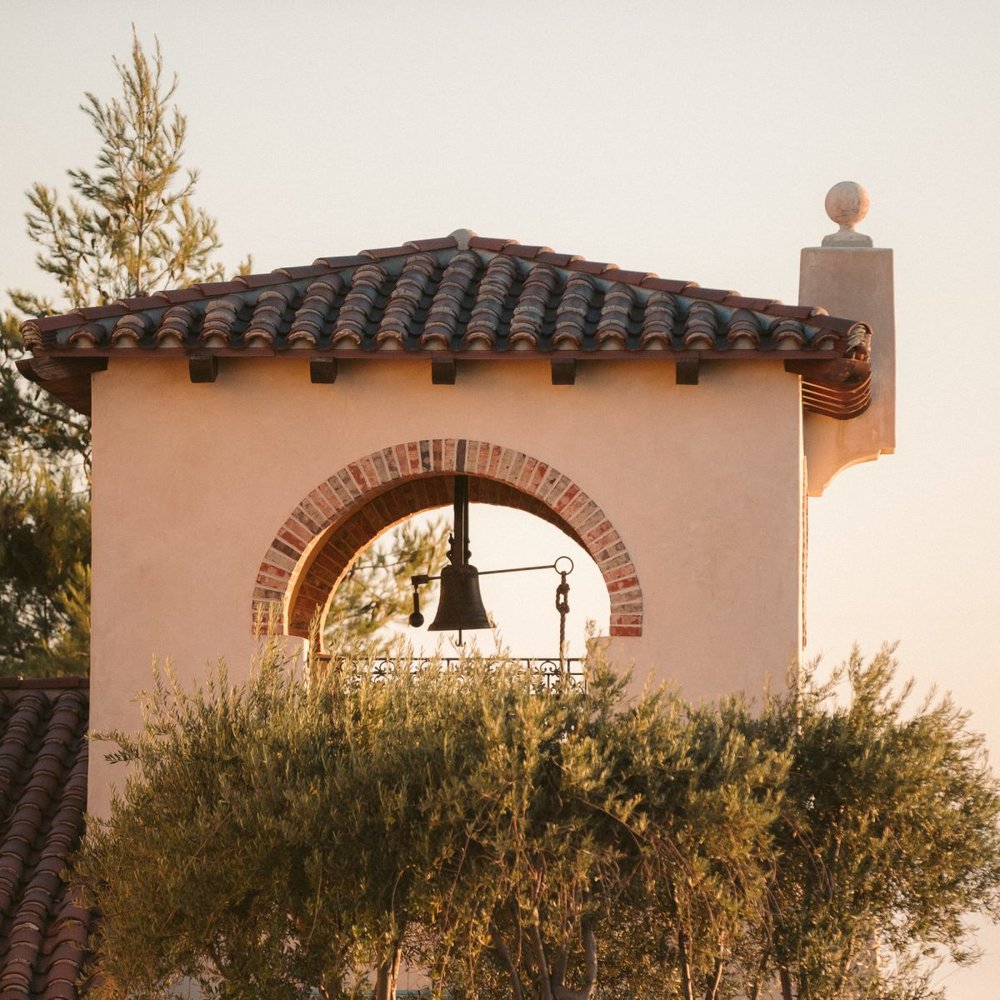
548 668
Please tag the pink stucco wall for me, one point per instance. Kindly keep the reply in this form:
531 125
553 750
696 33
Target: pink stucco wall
703 484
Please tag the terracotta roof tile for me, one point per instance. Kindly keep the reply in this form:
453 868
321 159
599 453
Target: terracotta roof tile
442 243
628 277
593 266
334 263
669 285
835 323
103 312
46 323
217 288
514 249
43 772
490 244
430 296
557 259
711 294
176 296
140 302
384 253
791 312
261 280
735 301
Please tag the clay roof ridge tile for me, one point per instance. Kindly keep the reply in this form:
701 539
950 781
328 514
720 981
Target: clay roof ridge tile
491 244
107 311
620 276
254 281
66 821
735 301
337 263
838 324
137 302
592 267
672 285
217 289
557 259
14 982
514 249
437 243
715 296
21 832
383 253
283 275
182 296
46 323
780 310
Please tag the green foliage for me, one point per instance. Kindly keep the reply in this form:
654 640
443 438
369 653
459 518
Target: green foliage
518 842
888 837
131 225
128 228
376 591
44 572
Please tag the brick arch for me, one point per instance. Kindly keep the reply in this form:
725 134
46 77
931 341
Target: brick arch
344 513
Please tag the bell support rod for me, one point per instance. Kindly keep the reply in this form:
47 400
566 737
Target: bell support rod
417 619
422 578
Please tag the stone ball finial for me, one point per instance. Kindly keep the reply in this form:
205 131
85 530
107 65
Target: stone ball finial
847 204
462 237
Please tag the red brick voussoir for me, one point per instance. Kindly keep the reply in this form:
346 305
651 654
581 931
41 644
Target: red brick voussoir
314 547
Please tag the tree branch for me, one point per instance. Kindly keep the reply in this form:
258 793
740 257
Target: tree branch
590 966
685 964
786 984
503 953
543 965
714 981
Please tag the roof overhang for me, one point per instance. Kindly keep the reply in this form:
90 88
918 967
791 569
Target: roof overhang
451 300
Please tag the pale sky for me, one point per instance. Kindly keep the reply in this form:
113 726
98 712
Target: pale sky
696 140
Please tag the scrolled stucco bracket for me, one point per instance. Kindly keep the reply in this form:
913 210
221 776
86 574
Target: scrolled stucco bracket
848 276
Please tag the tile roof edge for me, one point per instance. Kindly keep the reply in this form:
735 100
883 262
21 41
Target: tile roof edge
70 683
648 280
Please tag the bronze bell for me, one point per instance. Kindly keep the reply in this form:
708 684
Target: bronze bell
461 605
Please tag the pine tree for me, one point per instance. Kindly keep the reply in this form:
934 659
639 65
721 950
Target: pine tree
129 227
377 591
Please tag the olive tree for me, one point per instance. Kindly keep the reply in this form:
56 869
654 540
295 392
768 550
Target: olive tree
516 839
888 837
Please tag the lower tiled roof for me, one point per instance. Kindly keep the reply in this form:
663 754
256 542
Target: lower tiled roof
43 797
458 297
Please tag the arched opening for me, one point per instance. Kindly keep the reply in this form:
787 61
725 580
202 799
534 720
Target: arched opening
321 537
374 598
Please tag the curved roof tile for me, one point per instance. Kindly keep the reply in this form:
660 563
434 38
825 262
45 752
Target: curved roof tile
43 791
440 295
